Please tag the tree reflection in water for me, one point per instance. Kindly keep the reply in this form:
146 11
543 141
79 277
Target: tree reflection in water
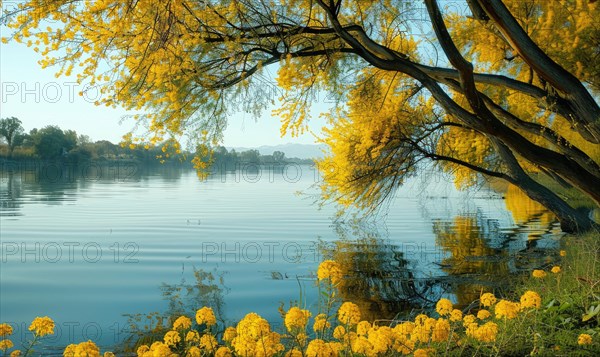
475 255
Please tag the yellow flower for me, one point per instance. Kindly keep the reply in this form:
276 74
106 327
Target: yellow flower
42 326
142 350
229 334
330 270
15 353
584 339
468 319
507 309
194 352
192 336
109 354
349 314
321 323
404 328
5 344
443 307
5 330
471 329
361 345
456 315
363 328
441 330
487 332
555 269
208 342
320 348
182 323
563 253
294 353
206 316
421 352
223 351
339 332
483 314
172 338
84 349
160 349
538 274
531 299
296 319
487 299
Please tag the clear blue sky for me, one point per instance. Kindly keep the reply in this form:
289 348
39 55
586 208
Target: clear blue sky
38 99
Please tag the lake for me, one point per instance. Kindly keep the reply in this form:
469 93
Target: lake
88 245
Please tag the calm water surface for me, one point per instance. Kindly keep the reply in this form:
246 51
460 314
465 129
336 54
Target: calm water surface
86 247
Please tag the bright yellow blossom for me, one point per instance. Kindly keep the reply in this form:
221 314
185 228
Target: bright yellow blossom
339 332
223 351
5 330
172 338
194 351
142 350
483 314
331 270
443 307
456 315
206 316
208 342
15 353
563 253
508 309
182 323
441 330
584 339
229 334
362 328
42 326
321 323
5 344
421 352
555 269
296 319
468 319
538 274
192 336
487 299
83 349
487 332
349 314
531 299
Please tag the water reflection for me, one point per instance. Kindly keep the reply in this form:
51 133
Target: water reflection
473 254
530 216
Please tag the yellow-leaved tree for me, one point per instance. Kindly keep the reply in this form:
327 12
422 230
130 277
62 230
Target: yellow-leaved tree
482 88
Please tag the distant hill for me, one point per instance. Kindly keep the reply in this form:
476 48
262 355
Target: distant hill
300 151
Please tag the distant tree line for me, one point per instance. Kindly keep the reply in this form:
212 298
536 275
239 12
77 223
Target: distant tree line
51 143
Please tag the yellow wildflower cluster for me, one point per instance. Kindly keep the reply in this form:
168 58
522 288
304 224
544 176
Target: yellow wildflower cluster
584 339
182 323
5 331
443 307
183 337
349 314
296 319
253 336
83 349
331 270
206 316
42 326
